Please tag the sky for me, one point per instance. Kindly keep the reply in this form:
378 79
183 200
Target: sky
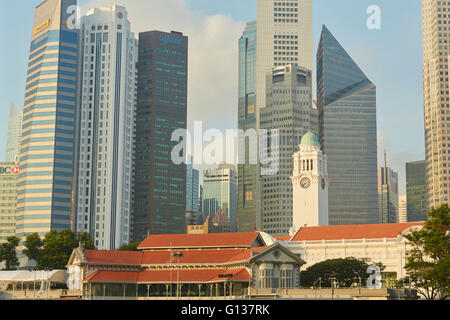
390 57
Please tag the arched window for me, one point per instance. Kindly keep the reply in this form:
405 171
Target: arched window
312 164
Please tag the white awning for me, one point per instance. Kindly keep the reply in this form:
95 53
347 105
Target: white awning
31 276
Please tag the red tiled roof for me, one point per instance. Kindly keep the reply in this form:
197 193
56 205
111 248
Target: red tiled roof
164 276
191 256
238 239
364 231
113 276
282 238
113 257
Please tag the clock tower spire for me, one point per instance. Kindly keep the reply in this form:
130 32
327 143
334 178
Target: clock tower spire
310 184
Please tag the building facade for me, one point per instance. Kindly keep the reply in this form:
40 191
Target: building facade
219 192
435 32
107 107
160 184
402 209
416 191
195 265
284 36
13 135
289 110
9 173
383 243
248 169
310 184
47 139
388 201
192 188
348 134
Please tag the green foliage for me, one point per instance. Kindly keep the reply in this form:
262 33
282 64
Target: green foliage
32 243
86 239
428 264
8 253
53 252
346 271
129 247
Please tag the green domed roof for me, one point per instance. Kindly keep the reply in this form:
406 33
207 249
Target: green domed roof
310 138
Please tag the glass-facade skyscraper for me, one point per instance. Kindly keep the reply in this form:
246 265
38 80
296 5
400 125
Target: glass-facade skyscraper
46 167
348 134
248 171
219 192
160 184
416 191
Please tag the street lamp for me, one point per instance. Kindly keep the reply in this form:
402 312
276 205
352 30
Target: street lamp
226 277
178 255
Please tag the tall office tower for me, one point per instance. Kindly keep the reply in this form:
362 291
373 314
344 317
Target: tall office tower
348 134
192 188
14 130
8 199
289 109
160 184
281 35
248 170
47 139
436 33
388 201
416 191
219 192
105 137
402 209
284 33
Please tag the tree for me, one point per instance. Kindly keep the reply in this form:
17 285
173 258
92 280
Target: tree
86 239
53 252
129 247
428 264
346 272
33 244
8 253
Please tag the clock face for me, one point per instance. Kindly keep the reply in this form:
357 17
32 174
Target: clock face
322 183
305 183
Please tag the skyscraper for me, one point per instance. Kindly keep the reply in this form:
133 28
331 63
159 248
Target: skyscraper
388 201
219 192
8 199
289 110
46 166
105 137
348 134
281 35
436 30
160 184
192 188
14 129
416 191
402 209
284 36
248 171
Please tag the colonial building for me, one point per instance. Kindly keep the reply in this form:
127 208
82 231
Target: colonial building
377 242
186 265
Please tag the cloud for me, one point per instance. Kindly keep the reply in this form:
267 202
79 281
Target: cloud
213 54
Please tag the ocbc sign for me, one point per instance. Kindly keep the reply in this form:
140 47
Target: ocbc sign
9 170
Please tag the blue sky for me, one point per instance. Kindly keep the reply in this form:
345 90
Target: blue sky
390 57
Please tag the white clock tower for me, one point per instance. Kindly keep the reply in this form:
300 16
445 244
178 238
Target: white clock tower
310 184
